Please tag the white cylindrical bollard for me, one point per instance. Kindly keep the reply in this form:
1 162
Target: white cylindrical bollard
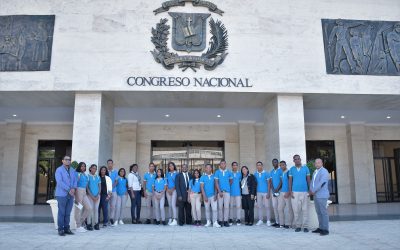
54 211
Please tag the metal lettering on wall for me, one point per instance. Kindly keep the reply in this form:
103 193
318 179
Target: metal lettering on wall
26 42
189 32
356 47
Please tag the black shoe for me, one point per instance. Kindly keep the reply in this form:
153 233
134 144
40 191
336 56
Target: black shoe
250 224
164 223
68 231
275 225
157 223
97 227
138 222
134 222
89 227
148 221
230 222
111 221
238 222
305 230
285 227
226 224
297 229
180 224
104 225
317 231
324 232
61 232
221 223
246 223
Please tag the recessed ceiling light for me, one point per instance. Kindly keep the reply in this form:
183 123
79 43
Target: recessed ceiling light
219 116
167 115
342 117
388 117
14 115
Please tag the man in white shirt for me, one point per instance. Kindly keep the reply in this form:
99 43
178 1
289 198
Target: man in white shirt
135 186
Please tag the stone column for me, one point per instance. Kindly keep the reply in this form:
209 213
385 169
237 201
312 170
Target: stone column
92 140
284 129
247 144
127 144
362 172
10 175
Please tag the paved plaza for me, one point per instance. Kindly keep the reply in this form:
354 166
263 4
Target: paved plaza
377 234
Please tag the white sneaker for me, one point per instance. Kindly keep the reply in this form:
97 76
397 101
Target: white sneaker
216 224
231 223
115 223
81 230
169 221
259 223
268 223
121 222
173 223
208 224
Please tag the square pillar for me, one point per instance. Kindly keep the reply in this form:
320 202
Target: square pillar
284 129
10 175
362 171
247 144
92 140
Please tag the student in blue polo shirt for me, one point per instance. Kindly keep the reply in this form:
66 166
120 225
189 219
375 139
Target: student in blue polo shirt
207 185
94 197
276 185
171 193
148 182
285 217
195 197
236 198
223 181
113 174
159 188
121 186
81 198
263 183
299 183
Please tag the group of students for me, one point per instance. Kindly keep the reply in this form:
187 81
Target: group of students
224 192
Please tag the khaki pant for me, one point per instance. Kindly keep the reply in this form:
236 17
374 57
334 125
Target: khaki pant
223 206
236 202
149 200
119 206
196 206
211 203
159 202
112 202
285 210
82 198
263 202
300 207
93 217
275 205
172 204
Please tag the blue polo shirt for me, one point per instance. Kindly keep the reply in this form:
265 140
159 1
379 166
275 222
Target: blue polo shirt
159 184
171 179
113 175
262 181
223 178
93 184
82 179
121 186
235 187
208 181
196 186
299 176
276 176
149 178
285 181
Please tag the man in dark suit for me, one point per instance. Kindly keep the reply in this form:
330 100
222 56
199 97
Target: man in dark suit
182 188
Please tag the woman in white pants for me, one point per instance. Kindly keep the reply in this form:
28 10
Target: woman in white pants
94 186
159 188
81 198
171 193
195 197
121 185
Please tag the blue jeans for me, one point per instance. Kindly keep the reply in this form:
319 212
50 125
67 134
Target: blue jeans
64 211
103 206
136 205
322 212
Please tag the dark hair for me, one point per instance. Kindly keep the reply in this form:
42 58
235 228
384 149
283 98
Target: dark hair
295 156
132 166
234 163
119 171
283 162
110 160
222 161
241 171
152 163
275 160
171 163
93 165
66 156
162 173
78 169
208 164
194 171
101 168
260 162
